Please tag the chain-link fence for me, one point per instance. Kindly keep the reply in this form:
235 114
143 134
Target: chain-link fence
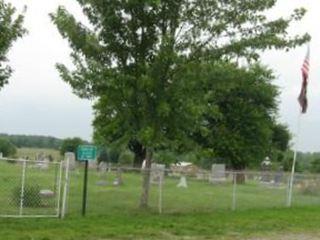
30 188
118 190
38 189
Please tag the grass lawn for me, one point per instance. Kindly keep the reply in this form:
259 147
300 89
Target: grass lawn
201 211
32 153
249 224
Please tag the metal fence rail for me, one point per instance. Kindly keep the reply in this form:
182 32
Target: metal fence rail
50 189
188 192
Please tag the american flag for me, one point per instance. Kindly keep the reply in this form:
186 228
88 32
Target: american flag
303 101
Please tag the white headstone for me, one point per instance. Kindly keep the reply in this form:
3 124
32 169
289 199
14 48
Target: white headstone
93 164
218 173
46 193
72 160
183 182
157 172
102 169
1 155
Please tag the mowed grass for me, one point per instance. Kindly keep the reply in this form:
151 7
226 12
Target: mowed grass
32 153
200 196
201 211
248 224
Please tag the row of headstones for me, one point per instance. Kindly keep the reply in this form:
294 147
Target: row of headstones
217 175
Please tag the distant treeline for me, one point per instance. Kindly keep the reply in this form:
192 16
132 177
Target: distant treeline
32 141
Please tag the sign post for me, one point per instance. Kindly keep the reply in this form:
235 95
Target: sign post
86 153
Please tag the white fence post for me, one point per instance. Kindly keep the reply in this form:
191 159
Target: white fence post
65 189
234 191
59 189
24 165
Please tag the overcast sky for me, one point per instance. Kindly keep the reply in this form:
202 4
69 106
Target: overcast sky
38 102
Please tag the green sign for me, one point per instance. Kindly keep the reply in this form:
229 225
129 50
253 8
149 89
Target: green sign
87 153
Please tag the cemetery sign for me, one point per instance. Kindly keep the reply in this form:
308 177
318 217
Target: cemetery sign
87 153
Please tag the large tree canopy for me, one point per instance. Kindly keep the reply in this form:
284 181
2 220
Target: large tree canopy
10 30
130 54
239 125
135 59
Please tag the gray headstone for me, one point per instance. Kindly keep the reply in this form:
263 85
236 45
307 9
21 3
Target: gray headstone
93 164
157 172
1 155
266 165
102 167
278 177
218 173
45 164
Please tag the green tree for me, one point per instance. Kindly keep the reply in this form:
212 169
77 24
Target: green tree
238 124
7 148
281 137
279 143
103 155
71 145
135 60
315 166
10 30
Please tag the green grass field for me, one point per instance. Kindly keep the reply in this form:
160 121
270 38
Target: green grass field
202 211
250 224
32 153
200 196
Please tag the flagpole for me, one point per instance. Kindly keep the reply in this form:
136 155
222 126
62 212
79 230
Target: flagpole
289 199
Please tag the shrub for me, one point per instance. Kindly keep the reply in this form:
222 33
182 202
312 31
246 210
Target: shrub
31 196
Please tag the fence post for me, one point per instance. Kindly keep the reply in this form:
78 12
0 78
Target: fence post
65 189
24 165
160 191
234 191
59 188
288 203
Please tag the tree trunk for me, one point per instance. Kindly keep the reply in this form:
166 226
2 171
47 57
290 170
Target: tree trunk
241 178
138 159
146 172
139 153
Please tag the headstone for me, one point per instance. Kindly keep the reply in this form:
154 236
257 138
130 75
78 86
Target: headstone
183 182
46 193
102 183
102 169
93 164
265 170
278 177
42 164
218 173
45 164
157 172
72 160
109 166
1 155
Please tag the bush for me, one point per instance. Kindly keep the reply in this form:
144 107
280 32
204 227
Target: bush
7 148
126 158
31 197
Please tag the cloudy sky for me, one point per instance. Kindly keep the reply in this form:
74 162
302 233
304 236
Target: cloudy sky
37 102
